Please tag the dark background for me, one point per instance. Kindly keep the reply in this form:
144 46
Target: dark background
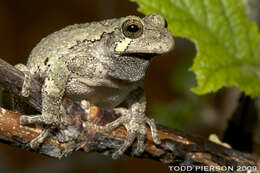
22 25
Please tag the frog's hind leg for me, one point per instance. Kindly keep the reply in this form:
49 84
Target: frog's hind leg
22 107
27 79
18 103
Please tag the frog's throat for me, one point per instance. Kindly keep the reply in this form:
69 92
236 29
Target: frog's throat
128 68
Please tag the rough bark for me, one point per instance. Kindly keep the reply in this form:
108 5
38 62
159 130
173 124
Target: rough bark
86 130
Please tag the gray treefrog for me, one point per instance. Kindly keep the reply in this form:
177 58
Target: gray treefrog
103 62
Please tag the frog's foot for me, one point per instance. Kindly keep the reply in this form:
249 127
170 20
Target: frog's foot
47 132
136 129
36 142
27 79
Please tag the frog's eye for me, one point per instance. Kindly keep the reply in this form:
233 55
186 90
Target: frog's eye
132 28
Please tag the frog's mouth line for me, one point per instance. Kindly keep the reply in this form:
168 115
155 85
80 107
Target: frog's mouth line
145 56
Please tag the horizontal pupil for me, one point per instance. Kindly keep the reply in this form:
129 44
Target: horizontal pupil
132 28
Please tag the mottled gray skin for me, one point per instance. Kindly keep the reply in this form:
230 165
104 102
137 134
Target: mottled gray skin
97 62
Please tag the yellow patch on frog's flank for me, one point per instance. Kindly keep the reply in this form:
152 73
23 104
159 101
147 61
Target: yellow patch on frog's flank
122 45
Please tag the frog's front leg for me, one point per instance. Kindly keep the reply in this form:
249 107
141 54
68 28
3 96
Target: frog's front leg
52 93
135 121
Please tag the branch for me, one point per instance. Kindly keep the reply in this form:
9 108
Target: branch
86 129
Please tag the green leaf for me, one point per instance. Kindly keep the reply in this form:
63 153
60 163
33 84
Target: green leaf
226 41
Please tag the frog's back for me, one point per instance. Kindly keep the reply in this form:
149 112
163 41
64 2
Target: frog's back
58 44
